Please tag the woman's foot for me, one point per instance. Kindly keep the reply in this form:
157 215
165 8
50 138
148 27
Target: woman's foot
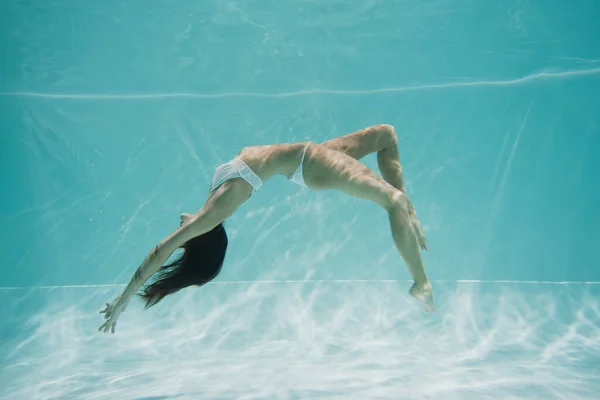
184 218
424 293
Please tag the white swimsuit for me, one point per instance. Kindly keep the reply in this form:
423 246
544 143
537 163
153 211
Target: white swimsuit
298 176
236 168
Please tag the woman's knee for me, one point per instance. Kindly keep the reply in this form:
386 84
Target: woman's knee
399 202
389 133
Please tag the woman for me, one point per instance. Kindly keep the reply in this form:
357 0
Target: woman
330 165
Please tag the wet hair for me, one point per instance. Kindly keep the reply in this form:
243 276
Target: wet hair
200 262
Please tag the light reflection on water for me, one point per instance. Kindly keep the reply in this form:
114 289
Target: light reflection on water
313 340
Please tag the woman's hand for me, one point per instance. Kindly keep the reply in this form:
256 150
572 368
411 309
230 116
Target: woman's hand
111 314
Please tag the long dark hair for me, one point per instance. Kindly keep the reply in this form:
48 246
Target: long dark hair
200 262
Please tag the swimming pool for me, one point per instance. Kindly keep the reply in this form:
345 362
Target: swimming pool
114 116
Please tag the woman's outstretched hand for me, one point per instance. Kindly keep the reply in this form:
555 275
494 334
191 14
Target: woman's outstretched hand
111 314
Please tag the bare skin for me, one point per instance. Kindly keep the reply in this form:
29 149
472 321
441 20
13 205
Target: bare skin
329 165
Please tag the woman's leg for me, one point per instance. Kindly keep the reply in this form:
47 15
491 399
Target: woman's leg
407 244
329 169
383 140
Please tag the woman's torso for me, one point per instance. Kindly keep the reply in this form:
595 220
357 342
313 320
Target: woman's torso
277 159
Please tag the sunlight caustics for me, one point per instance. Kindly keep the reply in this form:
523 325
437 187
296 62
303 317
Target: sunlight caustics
113 118
287 281
325 341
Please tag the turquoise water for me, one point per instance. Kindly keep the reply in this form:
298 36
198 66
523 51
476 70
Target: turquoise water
114 115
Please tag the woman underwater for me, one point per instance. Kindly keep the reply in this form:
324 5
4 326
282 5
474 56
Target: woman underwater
330 165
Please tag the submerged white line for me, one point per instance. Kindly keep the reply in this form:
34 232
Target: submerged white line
275 282
151 96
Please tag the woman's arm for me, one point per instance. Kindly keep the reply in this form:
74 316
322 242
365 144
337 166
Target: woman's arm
201 223
215 211
150 265
155 259
218 207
